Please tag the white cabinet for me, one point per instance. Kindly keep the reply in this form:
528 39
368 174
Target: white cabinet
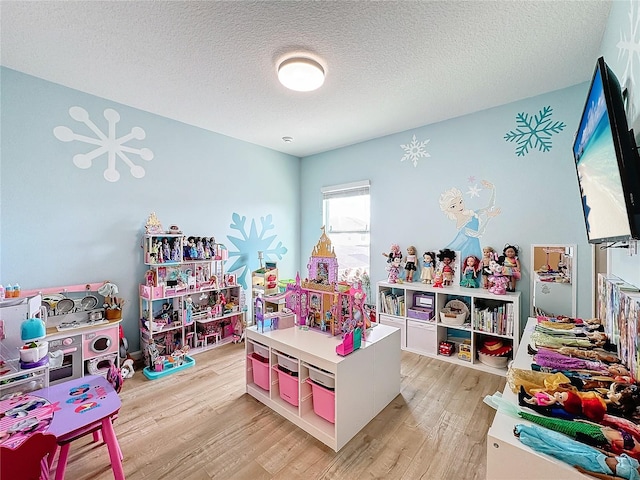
416 309
364 381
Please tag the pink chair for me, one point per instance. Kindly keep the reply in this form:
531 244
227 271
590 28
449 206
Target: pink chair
65 444
31 460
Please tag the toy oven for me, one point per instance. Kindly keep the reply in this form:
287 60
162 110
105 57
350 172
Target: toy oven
100 342
68 365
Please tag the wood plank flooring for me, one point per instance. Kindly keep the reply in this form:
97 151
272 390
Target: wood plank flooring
199 424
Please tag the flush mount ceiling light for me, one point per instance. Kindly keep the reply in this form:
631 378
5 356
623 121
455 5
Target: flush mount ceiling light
301 74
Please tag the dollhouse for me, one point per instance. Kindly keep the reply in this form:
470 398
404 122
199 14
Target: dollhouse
320 301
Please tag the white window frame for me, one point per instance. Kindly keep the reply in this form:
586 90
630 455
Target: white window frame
348 190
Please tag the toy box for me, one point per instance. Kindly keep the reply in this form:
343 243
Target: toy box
288 386
260 372
420 313
424 300
324 401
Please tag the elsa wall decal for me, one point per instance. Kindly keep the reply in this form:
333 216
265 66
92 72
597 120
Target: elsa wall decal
470 224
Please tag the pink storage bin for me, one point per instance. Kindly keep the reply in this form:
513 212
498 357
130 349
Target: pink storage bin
151 292
324 401
260 372
288 387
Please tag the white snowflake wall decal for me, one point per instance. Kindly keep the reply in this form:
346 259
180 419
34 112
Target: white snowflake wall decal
474 191
106 143
629 47
534 131
415 150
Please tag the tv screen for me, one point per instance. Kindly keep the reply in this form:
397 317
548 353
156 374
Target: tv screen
606 162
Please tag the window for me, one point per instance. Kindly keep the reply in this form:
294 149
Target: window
346 216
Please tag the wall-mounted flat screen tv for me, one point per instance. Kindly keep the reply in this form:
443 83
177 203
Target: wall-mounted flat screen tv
607 162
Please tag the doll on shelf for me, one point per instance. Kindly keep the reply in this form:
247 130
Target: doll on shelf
497 278
410 263
487 255
511 266
394 270
175 250
166 250
394 252
200 249
428 267
447 257
437 279
470 272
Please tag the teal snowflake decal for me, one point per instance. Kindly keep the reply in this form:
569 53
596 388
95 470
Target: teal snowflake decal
250 244
534 131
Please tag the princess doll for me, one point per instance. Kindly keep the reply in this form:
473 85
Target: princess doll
447 257
428 267
511 266
410 265
487 254
471 268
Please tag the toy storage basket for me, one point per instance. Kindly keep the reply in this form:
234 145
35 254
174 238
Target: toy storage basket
324 401
288 386
260 371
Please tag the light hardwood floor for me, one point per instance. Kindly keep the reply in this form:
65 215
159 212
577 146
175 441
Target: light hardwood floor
200 424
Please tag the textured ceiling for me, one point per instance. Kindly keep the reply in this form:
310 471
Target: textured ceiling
391 66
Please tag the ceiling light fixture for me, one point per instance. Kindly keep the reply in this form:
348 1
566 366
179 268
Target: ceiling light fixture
301 74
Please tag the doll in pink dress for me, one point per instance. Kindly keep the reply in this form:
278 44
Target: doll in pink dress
394 270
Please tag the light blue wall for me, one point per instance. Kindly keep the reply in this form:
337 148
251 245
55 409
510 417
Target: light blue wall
623 19
537 193
65 225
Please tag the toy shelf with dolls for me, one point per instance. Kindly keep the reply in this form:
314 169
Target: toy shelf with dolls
187 302
467 326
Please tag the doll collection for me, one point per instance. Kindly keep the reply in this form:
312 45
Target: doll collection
581 402
498 273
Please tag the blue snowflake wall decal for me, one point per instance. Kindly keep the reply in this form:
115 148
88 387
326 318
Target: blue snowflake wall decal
534 131
250 244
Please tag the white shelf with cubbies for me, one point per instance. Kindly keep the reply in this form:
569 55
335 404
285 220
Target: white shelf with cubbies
466 326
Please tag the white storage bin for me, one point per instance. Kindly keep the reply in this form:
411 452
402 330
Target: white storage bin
422 337
287 362
321 377
260 349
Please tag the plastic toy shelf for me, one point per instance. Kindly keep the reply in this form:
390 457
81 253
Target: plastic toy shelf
168 369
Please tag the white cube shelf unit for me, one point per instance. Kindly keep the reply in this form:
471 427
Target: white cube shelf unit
491 317
364 382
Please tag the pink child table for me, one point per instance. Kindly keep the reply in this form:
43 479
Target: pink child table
68 410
